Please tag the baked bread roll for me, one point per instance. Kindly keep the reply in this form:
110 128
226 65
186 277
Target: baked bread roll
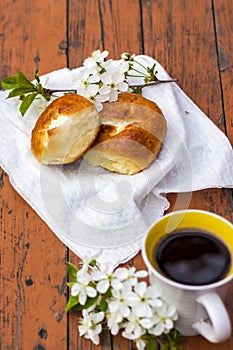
130 137
65 130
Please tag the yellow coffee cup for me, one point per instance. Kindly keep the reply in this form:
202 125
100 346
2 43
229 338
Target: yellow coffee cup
200 307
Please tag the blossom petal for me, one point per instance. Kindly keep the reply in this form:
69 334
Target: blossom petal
113 96
75 289
140 344
102 286
155 302
171 311
142 310
132 299
124 310
82 330
99 316
93 336
121 273
146 323
168 323
158 329
123 86
83 277
98 106
104 90
116 284
114 329
106 78
141 273
113 306
129 336
95 78
118 77
138 331
91 292
97 275
140 288
98 329
82 297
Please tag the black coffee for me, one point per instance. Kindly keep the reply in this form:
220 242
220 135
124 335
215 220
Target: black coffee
192 257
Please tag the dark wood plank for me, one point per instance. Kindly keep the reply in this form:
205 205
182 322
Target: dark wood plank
223 11
32 259
84 36
84 30
110 28
180 35
122 27
183 40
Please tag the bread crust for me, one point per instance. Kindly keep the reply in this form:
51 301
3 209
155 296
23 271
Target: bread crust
131 135
52 143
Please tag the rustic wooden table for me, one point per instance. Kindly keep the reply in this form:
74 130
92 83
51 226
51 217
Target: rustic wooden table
193 40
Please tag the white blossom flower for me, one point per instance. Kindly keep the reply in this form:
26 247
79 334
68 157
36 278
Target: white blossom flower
119 300
97 57
132 275
86 83
163 319
122 66
90 325
98 99
133 307
88 258
113 84
113 321
107 277
133 328
144 299
119 66
81 288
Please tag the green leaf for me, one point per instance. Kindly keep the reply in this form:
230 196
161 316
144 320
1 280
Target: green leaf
10 82
72 302
72 271
89 303
172 340
19 91
103 305
23 81
70 284
27 101
151 344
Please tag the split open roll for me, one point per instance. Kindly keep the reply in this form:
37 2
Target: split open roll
130 137
65 130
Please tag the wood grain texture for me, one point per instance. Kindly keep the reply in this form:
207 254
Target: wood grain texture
97 25
84 30
184 41
223 11
122 27
33 274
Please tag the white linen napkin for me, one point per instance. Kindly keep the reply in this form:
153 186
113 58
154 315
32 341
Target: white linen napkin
91 209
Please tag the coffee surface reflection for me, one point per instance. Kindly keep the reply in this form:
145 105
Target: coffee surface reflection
192 257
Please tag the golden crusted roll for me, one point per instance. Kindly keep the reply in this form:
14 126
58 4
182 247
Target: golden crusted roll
65 130
130 137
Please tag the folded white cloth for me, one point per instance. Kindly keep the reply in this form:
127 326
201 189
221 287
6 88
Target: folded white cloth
89 208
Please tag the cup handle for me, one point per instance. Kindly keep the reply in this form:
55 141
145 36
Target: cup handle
218 327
